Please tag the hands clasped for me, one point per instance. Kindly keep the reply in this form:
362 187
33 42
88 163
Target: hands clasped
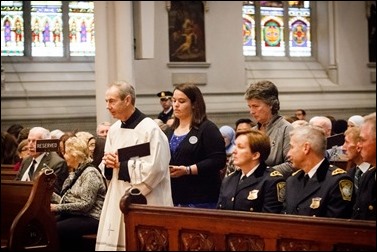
111 160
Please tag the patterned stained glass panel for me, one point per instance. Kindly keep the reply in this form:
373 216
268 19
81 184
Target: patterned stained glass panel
12 29
46 28
248 29
272 31
81 28
299 27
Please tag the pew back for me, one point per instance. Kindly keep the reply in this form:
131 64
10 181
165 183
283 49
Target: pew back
173 229
26 219
8 174
7 167
14 195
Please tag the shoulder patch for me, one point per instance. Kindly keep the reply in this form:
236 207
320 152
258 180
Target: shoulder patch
280 189
293 174
338 171
275 174
346 187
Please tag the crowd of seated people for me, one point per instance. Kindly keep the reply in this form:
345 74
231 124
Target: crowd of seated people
343 193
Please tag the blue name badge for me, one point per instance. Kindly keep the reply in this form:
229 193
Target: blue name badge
138 150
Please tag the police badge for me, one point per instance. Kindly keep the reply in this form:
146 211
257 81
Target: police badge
315 202
253 195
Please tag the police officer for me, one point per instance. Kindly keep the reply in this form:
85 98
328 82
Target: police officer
166 104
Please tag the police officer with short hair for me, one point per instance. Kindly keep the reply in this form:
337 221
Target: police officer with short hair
317 188
167 107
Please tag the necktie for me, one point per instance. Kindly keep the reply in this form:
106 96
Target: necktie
357 178
242 179
306 179
32 168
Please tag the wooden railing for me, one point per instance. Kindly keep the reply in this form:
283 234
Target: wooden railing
172 229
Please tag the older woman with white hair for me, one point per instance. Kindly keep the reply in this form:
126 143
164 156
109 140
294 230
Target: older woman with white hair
79 205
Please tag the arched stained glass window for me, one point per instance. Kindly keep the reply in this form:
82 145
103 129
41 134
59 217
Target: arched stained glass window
47 28
12 29
81 28
270 20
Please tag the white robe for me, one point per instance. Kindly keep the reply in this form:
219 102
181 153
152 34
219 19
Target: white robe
150 174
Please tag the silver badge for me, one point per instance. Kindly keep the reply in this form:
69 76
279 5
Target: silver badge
253 195
315 203
193 140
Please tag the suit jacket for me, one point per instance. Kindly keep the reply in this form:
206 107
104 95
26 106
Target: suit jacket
53 160
327 194
278 131
262 191
365 202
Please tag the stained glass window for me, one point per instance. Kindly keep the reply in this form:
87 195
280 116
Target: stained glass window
269 19
53 28
299 26
248 16
272 28
81 28
12 29
46 28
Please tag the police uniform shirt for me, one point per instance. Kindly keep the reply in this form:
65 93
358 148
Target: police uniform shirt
262 191
328 193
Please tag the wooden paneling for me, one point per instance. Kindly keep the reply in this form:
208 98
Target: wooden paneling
178 228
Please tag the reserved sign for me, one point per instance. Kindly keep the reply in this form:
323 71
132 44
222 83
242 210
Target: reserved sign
47 145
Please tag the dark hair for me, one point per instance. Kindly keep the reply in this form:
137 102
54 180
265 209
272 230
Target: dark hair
340 126
63 139
99 151
198 105
8 148
15 129
265 91
23 134
244 120
302 111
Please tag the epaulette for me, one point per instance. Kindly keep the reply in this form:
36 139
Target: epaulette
371 168
275 174
293 174
338 171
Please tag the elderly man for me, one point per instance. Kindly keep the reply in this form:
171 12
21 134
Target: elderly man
34 163
317 188
365 205
142 168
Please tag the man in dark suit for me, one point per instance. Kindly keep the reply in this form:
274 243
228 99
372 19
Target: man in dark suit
317 188
167 107
33 164
365 205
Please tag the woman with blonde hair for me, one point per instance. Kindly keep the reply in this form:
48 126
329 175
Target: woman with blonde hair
79 205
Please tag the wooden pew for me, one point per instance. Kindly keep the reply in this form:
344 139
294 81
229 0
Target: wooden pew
26 219
172 229
7 167
8 174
